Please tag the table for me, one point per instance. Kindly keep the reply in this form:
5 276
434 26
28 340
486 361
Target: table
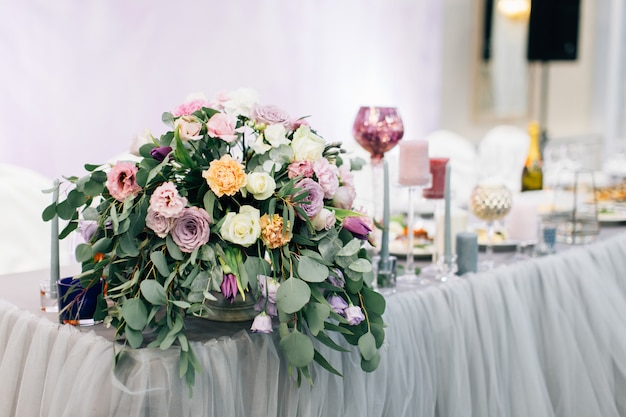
545 337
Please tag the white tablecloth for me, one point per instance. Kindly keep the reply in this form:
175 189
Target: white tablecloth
545 337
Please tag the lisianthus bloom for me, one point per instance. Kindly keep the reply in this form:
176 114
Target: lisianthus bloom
324 220
344 197
314 201
121 181
191 229
358 226
222 126
337 303
160 153
158 223
225 176
267 300
262 323
87 229
189 107
189 128
354 315
166 200
300 169
261 185
272 231
336 278
307 145
326 174
229 287
242 228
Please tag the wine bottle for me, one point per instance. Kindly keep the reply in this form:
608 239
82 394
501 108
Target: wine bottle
532 176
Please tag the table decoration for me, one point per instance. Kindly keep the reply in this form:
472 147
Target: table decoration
77 304
237 199
467 252
438 172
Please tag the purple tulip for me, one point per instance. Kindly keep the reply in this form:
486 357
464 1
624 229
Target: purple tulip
357 226
229 287
160 153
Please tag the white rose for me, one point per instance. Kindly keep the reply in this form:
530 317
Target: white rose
259 146
242 228
241 102
260 184
307 146
324 220
188 128
276 135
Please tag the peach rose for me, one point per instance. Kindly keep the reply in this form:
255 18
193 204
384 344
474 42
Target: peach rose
225 176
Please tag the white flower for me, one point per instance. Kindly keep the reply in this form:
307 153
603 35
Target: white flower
276 135
260 184
140 140
259 146
241 102
307 146
324 220
242 228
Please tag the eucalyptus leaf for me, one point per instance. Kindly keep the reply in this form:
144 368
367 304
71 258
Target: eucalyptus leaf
361 265
292 295
311 270
316 314
173 249
49 212
128 246
367 346
160 262
83 252
325 364
65 210
352 248
135 313
153 292
134 337
370 365
375 302
298 348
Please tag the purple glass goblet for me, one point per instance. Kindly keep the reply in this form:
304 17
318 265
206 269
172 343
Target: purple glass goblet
377 130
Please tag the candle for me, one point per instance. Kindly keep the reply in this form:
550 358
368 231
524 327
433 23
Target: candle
447 239
522 222
458 224
384 247
438 172
467 252
414 165
54 245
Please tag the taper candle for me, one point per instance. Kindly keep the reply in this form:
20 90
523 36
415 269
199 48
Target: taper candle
447 237
54 245
384 246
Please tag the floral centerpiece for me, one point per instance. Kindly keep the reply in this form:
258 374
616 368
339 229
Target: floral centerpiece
240 199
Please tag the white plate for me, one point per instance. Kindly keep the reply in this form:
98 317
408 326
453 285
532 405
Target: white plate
398 247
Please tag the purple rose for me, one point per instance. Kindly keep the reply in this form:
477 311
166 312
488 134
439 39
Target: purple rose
358 226
229 287
262 323
191 229
159 224
270 115
337 303
160 153
354 315
313 203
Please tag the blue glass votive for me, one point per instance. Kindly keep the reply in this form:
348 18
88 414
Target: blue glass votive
77 305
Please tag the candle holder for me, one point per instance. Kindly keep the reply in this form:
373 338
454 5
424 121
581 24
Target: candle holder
384 270
409 276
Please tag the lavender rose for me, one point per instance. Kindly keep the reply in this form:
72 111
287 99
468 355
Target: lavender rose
262 323
354 315
270 115
337 303
314 201
191 229
158 223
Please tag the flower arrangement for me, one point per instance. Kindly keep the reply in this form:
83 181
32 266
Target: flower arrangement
239 199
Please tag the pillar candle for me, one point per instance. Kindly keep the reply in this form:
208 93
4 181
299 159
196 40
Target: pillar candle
438 172
414 165
467 252
522 222
54 245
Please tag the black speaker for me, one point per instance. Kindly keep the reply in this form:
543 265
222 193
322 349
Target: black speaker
553 30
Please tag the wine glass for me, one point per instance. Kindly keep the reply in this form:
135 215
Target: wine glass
490 202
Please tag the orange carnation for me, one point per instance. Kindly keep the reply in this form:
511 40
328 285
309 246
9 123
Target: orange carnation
225 176
272 231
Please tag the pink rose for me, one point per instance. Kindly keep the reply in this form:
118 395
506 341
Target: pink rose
189 107
159 224
324 220
222 126
326 174
344 197
189 128
191 229
346 177
270 115
121 181
300 168
166 201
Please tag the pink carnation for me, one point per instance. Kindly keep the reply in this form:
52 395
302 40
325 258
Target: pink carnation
166 201
189 107
300 168
326 174
222 126
346 177
121 181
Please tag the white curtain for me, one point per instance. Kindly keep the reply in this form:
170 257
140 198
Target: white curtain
80 79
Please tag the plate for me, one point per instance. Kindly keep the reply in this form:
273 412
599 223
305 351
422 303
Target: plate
617 216
501 242
398 247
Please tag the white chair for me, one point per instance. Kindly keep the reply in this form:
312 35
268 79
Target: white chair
462 155
502 154
24 237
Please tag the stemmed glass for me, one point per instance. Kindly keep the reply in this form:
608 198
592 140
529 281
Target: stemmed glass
490 202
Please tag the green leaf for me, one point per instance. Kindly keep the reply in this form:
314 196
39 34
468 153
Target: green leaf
181 153
181 304
103 245
128 246
367 346
322 361
173 249
361 265
371 365
160 262
316 314
84 252
153 292
49 212
93 187
292 295
134 337
209 202
312 271
352 248
135 313
71 226
373 301
325 339
298 349
76 198
65 210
